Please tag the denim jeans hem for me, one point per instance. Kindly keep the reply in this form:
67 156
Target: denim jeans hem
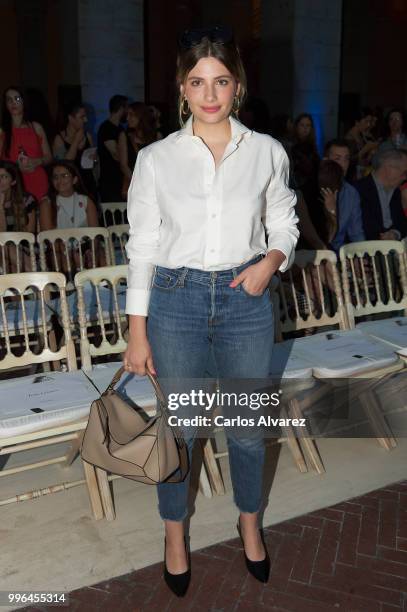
246 509
171 518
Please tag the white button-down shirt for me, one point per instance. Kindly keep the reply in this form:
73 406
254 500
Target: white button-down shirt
183 211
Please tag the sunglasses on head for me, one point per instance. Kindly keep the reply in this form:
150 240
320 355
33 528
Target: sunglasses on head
216 34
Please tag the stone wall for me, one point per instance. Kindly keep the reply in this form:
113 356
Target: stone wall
111 52
301 60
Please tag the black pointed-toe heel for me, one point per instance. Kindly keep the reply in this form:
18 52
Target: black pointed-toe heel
258 569
178 583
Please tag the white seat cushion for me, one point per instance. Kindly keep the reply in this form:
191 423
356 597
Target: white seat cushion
393 331
339 353
32 403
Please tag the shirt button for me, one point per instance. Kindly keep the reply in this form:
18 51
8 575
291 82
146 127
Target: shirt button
212 250
214 215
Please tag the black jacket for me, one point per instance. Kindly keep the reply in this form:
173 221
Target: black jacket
372 217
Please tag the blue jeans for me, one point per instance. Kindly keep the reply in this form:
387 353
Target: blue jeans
194 315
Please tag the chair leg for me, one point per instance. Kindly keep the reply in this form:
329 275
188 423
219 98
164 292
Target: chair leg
204 484
294 446
309 444
74 450
105 494
212 466
93 490
377 420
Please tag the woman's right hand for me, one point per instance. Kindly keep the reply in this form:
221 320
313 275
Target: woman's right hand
138 357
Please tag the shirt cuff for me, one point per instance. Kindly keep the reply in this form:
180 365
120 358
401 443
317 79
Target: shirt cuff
137 301
283 249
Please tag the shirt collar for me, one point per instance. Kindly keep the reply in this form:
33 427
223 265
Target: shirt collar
381 187
238 130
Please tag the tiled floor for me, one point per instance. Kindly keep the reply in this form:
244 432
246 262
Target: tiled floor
350 557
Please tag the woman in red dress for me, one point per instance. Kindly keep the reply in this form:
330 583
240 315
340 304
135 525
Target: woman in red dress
25 143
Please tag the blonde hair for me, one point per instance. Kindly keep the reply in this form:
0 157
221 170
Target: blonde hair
226 53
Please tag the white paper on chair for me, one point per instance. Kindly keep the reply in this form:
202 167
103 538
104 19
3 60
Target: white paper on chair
344 353
88 158
392 330
137 388
33 402
286 363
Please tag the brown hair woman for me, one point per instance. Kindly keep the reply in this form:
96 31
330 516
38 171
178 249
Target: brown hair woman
201 203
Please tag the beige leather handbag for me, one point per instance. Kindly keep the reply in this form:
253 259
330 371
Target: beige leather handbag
121 440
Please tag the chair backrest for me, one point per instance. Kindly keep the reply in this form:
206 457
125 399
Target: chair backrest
119 235
101 297
114 213
310 293
17 252
30 291
374 277
70 250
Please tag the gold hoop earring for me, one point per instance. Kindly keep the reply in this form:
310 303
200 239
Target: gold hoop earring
236 105
184 111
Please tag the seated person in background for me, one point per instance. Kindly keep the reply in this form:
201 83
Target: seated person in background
18 210
18 213
318 224
68 206
347 204
309 238
380 197
320 203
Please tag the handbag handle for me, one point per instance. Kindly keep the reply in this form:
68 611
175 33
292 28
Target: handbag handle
184 460
153 380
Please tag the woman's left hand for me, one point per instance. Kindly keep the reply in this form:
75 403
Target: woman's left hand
329 199
256 278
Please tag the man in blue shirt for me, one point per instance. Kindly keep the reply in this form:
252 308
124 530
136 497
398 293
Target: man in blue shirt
348 210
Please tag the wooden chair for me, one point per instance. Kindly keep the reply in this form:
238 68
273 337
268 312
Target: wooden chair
119 236
56 424
384 292
310 293
111 340
114 213
374 278
322 352
17 252
106 311
62 250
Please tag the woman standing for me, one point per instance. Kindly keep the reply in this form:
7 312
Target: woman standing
71 143
395 136
361 143
200 205
25 143
141 131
